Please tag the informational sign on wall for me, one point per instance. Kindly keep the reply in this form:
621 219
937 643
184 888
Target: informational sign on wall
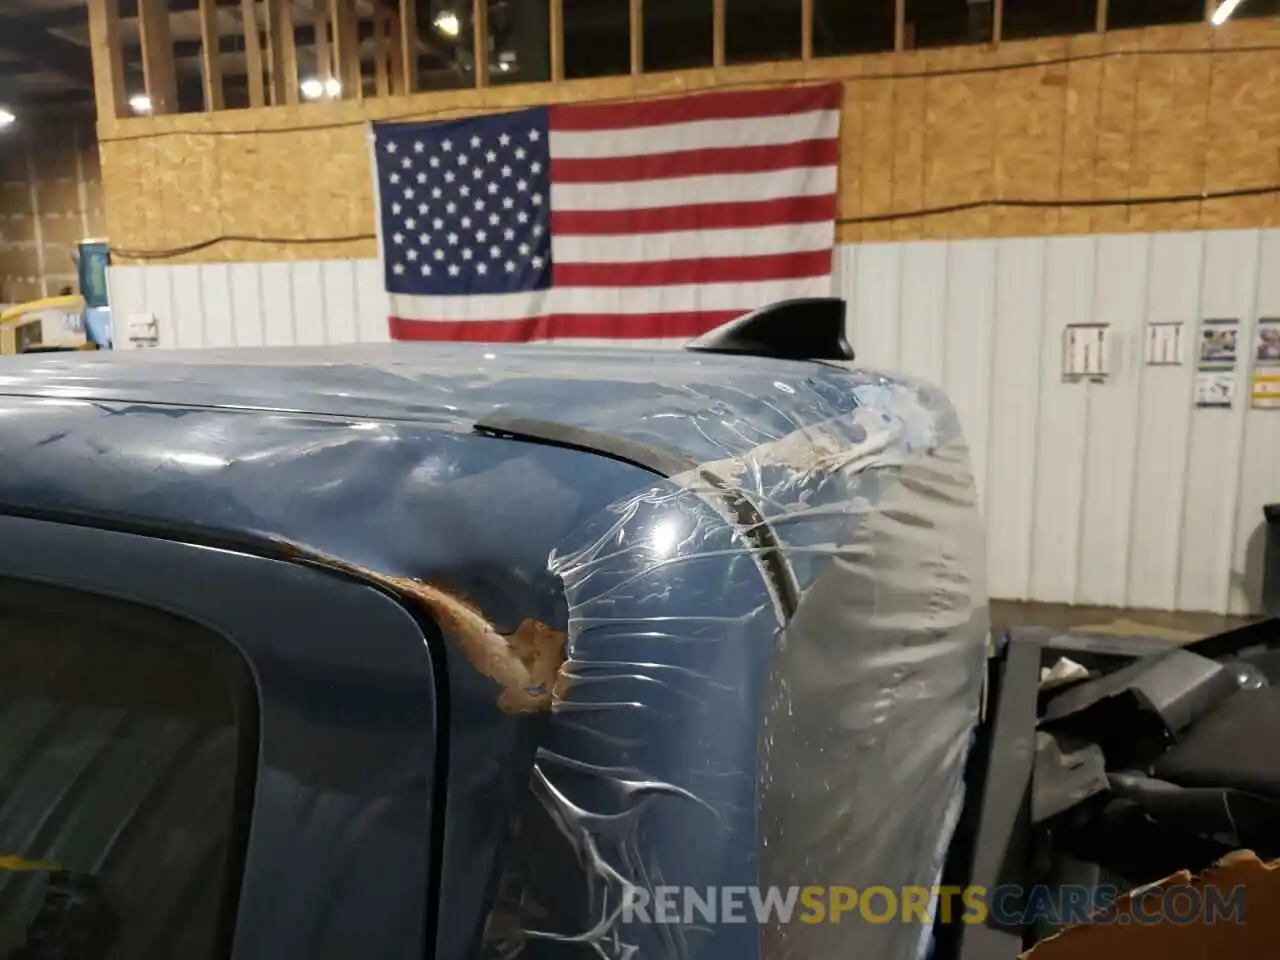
1219 349
143 330
1165 344
1266 364
1215 388
1086 353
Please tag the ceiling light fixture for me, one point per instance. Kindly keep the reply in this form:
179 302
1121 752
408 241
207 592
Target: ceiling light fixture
140 103
447 23
313 88
1224 12
7 118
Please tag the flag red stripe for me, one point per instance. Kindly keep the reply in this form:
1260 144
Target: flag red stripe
695 216
641 326
696 163
775 266
732 105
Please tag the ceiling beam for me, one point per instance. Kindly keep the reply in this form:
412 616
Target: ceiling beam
65 17
60 18
37 45
13 96
304 36
19 68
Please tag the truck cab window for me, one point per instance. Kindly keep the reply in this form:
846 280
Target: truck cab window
127 758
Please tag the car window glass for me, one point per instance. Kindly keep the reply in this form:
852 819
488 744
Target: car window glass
126 761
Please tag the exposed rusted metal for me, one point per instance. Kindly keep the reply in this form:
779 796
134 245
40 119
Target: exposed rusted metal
525 664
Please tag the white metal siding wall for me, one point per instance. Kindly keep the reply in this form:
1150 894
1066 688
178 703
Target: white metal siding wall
255 304
1111 494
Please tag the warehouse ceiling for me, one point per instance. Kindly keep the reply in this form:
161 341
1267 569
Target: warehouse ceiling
44 47
44 55
40 64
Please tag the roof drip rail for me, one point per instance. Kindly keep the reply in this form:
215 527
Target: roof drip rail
810 328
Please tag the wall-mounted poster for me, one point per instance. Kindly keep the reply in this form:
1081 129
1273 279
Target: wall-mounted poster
1215 388
1219 343
1266 364
1266 344
1266 388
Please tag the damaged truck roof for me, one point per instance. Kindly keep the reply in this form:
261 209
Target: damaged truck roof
350 443
749 592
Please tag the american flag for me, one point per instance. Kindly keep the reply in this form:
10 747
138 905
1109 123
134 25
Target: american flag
650 221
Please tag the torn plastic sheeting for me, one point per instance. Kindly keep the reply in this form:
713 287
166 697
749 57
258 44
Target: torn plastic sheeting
699 744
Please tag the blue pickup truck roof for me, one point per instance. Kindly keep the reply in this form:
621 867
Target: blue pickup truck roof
762 738
375 420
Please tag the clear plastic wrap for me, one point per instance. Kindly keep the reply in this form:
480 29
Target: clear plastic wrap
775 666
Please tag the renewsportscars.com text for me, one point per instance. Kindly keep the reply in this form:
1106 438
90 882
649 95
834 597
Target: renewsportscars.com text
1178 904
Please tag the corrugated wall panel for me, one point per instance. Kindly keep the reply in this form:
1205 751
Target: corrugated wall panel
279 307
1215 444
1164 423
248 326
922 310
219 314
874 293
188 298
1117 493
1260 457
1119 298
969 326
373 304
1061 446
1015 416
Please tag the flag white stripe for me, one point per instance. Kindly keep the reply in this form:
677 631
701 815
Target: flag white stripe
732 188
692 244
695 135
588 301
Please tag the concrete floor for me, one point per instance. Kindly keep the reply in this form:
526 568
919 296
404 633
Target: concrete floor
1177 627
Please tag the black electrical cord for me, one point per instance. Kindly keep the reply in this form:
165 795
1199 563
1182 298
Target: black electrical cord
1274 188
1068 204
171 252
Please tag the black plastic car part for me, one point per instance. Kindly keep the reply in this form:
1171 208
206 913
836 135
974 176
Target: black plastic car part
664 463
992 843
1135 713
811 328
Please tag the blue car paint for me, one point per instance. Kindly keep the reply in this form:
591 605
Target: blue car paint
368 454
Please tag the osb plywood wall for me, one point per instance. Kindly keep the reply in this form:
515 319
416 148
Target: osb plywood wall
50 199
1163 112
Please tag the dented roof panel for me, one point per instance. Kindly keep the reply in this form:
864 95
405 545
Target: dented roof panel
701 406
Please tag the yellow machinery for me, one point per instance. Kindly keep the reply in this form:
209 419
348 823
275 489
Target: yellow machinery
53 323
